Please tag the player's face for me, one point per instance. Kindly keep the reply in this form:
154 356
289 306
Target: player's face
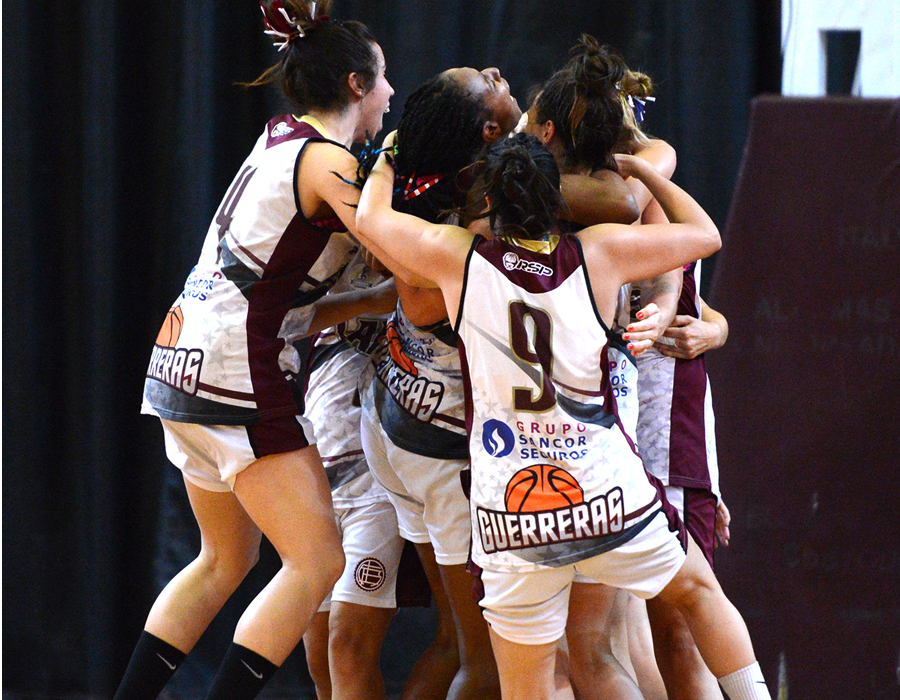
494 90
375 102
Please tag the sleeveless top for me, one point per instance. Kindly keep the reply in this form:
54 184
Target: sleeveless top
222 356
555 479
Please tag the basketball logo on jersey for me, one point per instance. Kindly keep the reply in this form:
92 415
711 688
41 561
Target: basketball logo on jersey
497 438
396 372
545 505
511 262
395 345
178 368
542 487
369 574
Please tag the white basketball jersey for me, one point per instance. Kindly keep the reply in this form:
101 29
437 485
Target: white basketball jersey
554 477
222 356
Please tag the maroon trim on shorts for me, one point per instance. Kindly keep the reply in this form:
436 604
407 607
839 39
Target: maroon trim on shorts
700 519
276 436
671 512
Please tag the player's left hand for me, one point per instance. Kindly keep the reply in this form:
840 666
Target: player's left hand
691 336
642 333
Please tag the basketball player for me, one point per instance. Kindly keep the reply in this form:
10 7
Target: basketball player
413 423
219 377
344 639
675 429
556 486
589 86
413 427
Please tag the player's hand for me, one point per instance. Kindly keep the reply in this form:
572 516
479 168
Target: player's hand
642 333
631 166
372 262
389 140
691 336
723 520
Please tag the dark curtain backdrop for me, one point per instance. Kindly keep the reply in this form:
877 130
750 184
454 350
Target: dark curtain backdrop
122 126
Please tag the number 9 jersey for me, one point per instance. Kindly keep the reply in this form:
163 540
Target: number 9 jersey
555 479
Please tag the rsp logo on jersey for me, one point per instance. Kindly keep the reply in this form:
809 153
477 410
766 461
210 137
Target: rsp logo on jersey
511 261
497 438
369 574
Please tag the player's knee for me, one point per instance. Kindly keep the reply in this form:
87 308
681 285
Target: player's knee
228 567
354 646
674 638
332 566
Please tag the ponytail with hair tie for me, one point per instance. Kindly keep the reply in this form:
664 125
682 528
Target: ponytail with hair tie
287 27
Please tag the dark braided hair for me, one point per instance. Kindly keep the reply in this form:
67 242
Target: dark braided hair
520 179
582 100
314 67
440 132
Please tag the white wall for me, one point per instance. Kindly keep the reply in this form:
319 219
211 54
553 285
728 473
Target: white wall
802 23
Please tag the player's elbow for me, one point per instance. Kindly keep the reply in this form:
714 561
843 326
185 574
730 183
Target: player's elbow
712 239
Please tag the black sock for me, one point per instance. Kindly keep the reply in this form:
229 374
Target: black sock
242 675
152 665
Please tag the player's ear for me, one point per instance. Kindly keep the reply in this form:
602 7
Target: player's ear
548 131
491 131
355 84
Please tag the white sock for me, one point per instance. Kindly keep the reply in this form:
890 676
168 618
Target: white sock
746 684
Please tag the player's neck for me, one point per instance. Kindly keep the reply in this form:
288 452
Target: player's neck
339 126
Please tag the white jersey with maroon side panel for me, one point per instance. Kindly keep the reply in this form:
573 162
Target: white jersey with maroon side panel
676 426
332 402
221 356
555 480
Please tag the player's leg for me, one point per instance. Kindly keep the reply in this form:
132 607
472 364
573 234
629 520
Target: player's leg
641 650
355 638
477 678
686 675
436 668
563 689
229 547
717 627
315 644
596 616
527 614
289 498
526 670
364 600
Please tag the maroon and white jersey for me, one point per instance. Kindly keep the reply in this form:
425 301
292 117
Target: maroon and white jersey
676 427
222 355
554 477
339 355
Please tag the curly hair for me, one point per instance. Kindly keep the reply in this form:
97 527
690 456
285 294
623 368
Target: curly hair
519 177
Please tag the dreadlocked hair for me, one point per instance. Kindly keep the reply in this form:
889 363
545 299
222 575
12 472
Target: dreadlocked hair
520 179
582 101
440 133
315 64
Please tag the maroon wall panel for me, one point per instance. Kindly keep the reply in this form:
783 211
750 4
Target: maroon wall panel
807 395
